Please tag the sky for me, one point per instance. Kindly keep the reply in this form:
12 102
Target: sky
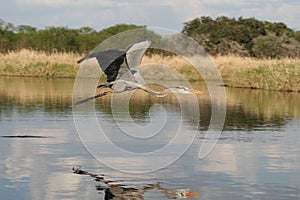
171 14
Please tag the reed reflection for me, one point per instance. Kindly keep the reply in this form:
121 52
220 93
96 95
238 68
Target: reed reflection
246 109
263 149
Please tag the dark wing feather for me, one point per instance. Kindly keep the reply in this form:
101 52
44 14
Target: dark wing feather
125 73
109 61
117 64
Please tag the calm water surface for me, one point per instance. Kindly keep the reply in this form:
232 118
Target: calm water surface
256 157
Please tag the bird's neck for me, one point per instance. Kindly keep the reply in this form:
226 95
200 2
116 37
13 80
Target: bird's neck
155 93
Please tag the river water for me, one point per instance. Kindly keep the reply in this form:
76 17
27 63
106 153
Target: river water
256 156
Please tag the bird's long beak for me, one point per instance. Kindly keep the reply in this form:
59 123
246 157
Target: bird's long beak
195 91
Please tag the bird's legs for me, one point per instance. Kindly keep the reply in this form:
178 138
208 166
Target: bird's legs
92 97
106 85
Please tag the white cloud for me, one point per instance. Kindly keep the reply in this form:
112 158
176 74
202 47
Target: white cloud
168 13
58 3
290 11
46 2
226 2
186 10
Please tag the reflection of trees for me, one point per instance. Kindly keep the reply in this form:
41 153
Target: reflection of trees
246 109
267 103
238 118
9 105
26 95
254 109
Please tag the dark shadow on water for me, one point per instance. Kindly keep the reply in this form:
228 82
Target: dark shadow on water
23 136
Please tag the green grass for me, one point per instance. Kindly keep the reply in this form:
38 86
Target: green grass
282 77
40 70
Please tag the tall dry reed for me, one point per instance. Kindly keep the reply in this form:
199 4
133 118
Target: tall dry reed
270 74
28 57
38 63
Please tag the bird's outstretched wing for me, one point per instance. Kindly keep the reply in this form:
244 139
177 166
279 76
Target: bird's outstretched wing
134 55
118 64
109 61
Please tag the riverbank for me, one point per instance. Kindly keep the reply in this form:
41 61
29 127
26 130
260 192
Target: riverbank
269 74
245 72
39 64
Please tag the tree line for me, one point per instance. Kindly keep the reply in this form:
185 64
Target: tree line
60 39
244 36
222 35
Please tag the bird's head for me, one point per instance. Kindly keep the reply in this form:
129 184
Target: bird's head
185 90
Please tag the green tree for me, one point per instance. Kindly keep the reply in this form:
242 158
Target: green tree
26 29
227 35
297 36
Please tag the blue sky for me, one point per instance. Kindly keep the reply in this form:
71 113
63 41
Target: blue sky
171 14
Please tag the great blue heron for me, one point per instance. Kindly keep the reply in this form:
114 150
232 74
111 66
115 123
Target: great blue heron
122 68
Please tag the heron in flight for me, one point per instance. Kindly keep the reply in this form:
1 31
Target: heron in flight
122 68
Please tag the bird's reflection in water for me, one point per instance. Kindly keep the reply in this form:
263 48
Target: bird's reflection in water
123 192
